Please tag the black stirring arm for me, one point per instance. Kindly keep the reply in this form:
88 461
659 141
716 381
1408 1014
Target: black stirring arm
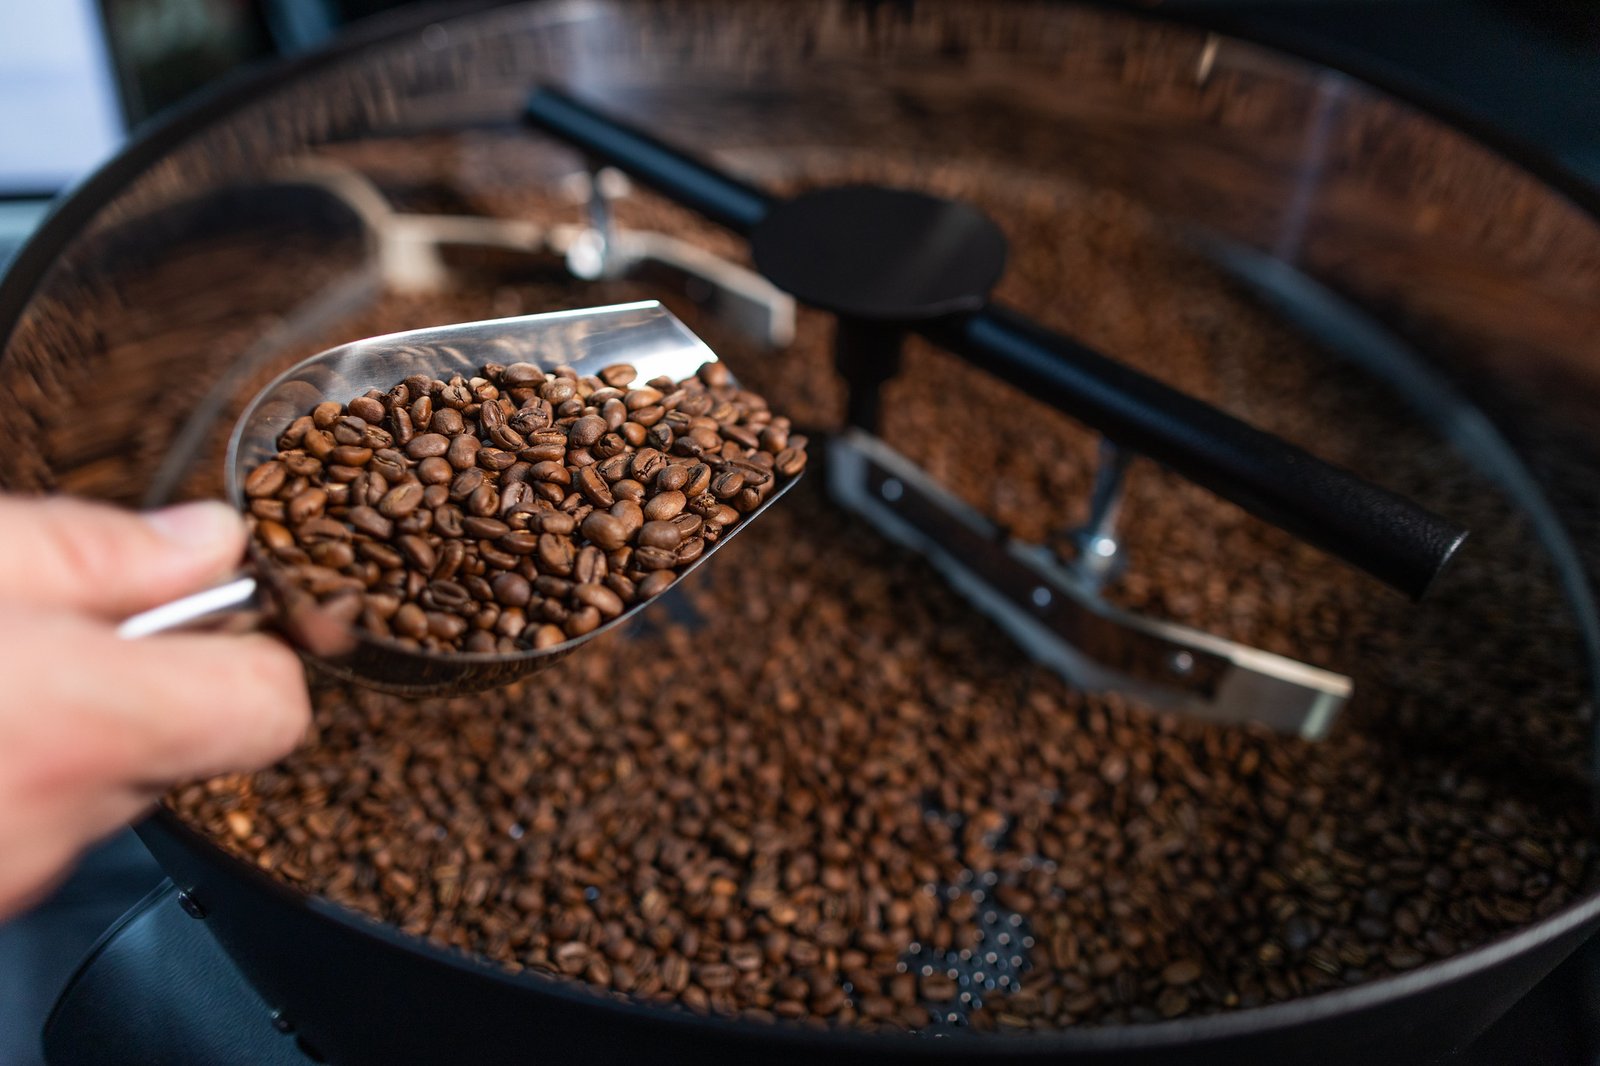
1387 535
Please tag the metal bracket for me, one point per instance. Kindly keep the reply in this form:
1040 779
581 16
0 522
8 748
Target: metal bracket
1058 618
733 294
1100 557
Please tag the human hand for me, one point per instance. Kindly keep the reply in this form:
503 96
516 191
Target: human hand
94 728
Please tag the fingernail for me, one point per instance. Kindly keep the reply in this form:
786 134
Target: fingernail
203 524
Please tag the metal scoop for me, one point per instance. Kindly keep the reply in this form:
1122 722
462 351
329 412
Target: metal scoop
644 334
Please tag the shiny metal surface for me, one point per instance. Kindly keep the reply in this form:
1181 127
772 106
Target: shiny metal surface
1056 614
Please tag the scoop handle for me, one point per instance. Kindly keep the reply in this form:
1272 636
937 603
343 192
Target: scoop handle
238 597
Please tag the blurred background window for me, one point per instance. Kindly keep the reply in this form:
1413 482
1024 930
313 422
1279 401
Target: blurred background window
58 98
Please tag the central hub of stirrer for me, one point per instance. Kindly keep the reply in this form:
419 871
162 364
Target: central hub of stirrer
880 255
882 260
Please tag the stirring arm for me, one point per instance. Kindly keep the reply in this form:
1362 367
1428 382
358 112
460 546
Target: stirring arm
1387 535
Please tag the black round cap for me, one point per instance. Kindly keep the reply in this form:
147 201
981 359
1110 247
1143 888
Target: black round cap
879 254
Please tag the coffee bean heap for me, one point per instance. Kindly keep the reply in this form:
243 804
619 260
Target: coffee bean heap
827 801
520 508
801 825
873 790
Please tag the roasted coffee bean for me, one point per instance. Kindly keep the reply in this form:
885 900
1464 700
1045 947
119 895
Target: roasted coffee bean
448 521
299 464
553 472
698 481
428 445
613 469
419 552
421 411
543 445
266 479
672 478
381 554
484 501
519 542
390 463
655 584
401 500
512 590
448 420
452 553
400 422
533 416
557 391
274 535
309 503
463 452
581 621
348 430
690 550
727 484
521 375
613 411
596 595
648 558
555 554
434 470
659 534
594 488
369 521
790 462
586 431
318 444
517 496
605 530
619 375
496 460
630 514
484 527
664 506
625 589
271 510
466 483
546 636
589 566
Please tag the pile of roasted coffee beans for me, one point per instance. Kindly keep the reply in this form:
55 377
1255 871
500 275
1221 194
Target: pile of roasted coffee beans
520 508
813 783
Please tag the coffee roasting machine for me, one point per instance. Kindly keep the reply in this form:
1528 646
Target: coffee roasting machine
602 100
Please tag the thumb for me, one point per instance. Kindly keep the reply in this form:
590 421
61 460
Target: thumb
67 553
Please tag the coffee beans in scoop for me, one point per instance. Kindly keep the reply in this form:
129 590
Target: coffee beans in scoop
515 509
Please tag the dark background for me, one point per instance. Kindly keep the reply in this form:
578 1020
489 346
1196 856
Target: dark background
1528 69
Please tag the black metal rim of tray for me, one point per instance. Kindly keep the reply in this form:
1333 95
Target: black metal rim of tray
76 210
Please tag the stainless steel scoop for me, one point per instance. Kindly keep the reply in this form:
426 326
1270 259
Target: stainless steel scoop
644 334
